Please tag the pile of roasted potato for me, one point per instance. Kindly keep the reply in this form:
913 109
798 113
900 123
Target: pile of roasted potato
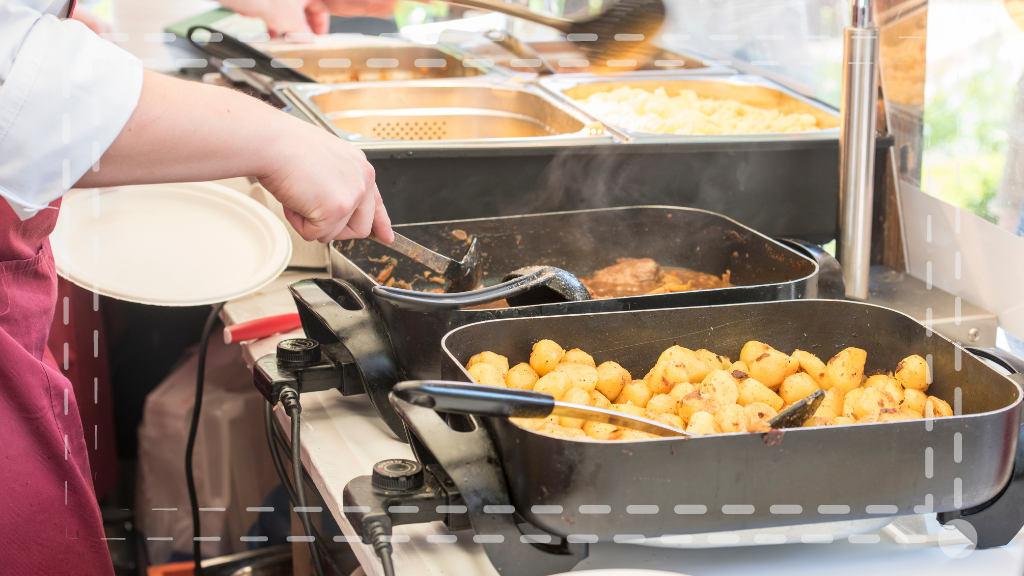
703 393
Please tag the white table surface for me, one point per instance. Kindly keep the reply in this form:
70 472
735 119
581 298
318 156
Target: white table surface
343 437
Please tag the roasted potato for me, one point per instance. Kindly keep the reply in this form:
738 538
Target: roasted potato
702 423
732 418
771 367
814 367
846 369
759 411
751 391
886 383
819 421
797 386
599 400
832 404
892 415
850 401
611 378
843 420
629 408
554 383
562 431
936 408
872 401
582 376
627 434
486 374
681 390
697 401
752 350
914 400
545 356
665 375
578 356
912 373
521 377
636 392
669 420
598 430
721 386
738 367
574 395
712 360
663 404
696 369
496 360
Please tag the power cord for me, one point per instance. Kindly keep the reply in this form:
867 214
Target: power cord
204 340
276 440
290 401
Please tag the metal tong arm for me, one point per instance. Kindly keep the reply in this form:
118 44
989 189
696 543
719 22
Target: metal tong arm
417 252
228 48
518 48
464 398
518 11
429 301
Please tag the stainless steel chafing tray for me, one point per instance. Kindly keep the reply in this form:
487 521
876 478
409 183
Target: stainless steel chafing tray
403 115
376 61
748 89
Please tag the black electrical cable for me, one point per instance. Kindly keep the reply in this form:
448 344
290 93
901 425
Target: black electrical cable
275 440
290 400
385 562
204 340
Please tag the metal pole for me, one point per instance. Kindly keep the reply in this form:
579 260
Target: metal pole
857 149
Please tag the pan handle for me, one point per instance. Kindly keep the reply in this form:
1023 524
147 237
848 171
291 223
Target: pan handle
1005 359
831 283
463 398
333 311
230 48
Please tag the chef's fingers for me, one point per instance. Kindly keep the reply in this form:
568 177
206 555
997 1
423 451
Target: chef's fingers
359 225
381 220
318 17
302 226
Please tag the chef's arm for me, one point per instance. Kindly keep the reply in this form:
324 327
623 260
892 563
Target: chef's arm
185 131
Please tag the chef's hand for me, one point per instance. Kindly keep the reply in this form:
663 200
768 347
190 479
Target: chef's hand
282 16
360 7
327 188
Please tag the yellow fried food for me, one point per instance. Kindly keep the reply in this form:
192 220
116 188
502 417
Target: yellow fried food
846 369
739 366
662 404
486 374
521 377
598 430
732 418
669 420
886 383
850 401
910 414
759 411
832 404
696 368
797 386
936 408
914 400
582 376
599 400
712 360
751 350
529 423
611 378
574 395
771 367
555 384
694 402
629 408
721 386
892 415
681 390
636 392
561 431
665 375
702 423
627 434
843 420
578 356
814 367
819 421
912 373
751 391
545 356
496 360
872 401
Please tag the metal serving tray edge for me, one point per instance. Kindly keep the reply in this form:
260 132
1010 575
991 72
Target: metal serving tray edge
558 84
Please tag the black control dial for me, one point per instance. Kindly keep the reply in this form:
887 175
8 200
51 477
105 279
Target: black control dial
397 475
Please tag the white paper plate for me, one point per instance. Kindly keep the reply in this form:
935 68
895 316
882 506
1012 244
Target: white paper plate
169 244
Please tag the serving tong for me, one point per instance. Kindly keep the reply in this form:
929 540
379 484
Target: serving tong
479 400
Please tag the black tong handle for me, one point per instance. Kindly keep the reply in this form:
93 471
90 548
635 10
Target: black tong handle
230 48
430 302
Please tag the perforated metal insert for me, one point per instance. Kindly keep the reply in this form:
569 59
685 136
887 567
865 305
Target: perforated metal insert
411 129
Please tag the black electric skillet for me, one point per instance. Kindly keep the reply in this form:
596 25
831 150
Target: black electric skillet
387 341
537 500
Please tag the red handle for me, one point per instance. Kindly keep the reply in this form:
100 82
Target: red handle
261 328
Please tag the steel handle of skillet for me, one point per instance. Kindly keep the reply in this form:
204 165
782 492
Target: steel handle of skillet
831 282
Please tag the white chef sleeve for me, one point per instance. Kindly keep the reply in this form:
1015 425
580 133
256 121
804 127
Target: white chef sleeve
65 95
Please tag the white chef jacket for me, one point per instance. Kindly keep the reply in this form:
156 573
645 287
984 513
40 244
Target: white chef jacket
65 95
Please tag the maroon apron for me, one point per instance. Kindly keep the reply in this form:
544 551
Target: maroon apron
49 520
